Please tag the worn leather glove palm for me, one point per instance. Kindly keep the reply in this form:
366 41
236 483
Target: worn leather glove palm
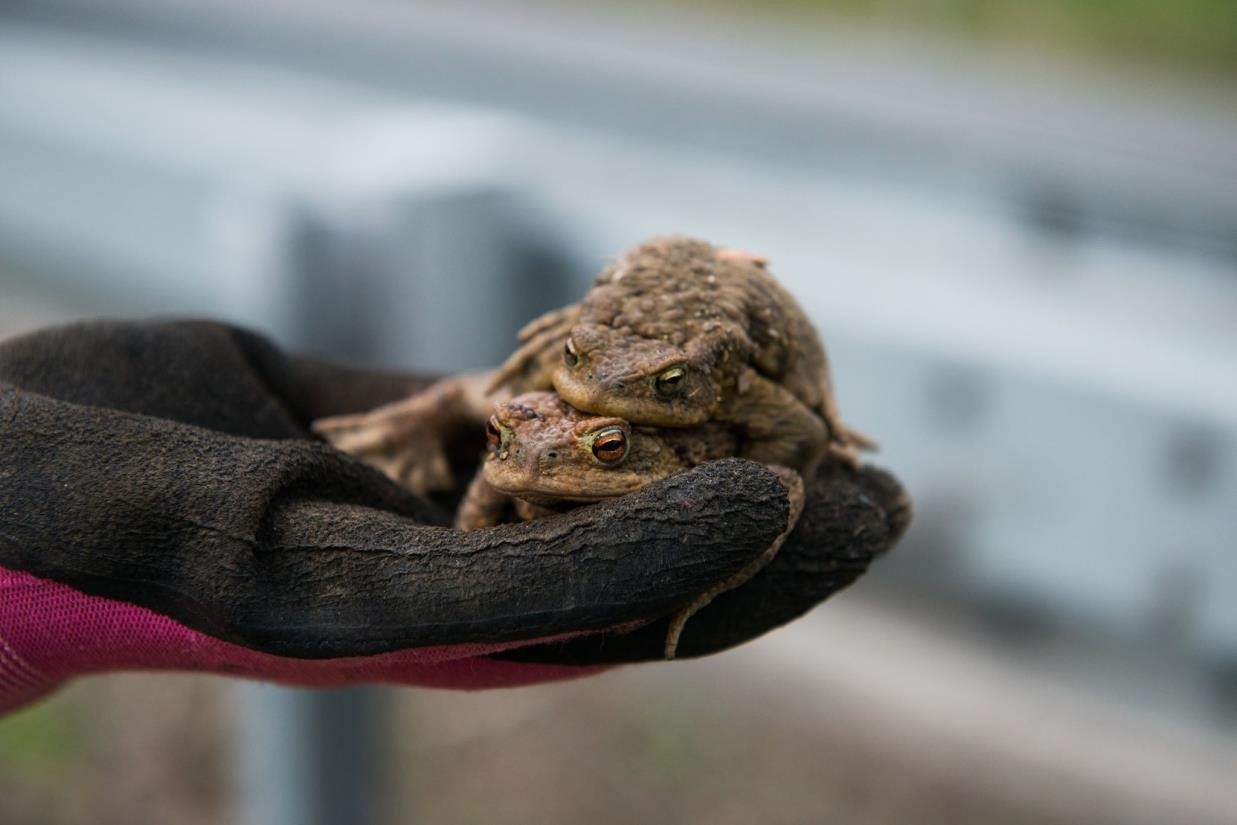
163 505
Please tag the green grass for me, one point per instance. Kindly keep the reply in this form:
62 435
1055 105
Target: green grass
1191 35
39 742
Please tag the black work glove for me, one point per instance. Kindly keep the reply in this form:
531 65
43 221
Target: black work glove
165 472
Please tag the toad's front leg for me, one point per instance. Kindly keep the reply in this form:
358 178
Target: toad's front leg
407 439
779 428
483 506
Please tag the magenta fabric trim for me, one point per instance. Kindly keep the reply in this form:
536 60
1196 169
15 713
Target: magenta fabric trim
50 632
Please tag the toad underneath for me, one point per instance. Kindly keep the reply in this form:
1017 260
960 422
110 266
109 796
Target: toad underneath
543 453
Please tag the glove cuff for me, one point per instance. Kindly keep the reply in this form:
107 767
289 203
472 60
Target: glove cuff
21 681
50 632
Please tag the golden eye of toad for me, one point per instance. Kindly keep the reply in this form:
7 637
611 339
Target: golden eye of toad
610 446
671 381
493 434
571 356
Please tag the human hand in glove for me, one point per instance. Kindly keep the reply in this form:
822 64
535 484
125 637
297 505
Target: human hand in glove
163 505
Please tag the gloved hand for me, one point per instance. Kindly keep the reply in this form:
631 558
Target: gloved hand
164 506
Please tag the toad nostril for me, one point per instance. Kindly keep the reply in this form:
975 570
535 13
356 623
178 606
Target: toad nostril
619 385
551 454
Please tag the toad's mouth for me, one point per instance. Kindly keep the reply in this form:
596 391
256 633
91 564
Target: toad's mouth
598 398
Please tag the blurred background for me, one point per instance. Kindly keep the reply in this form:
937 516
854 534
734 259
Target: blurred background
1015 224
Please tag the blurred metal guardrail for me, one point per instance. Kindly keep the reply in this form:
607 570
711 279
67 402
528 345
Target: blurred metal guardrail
1144 158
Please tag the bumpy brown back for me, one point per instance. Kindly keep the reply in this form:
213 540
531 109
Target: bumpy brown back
659 286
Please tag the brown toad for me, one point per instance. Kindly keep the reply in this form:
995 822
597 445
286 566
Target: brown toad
678 332
543 453
675 333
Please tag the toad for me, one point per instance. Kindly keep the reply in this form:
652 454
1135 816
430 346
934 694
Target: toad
674 334
543 454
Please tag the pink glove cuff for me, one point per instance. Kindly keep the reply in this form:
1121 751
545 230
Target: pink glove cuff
50 632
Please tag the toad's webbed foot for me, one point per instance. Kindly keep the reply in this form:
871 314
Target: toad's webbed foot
407 439
403 440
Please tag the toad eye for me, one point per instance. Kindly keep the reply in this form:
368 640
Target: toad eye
493 432
571 356
610 445
670 382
